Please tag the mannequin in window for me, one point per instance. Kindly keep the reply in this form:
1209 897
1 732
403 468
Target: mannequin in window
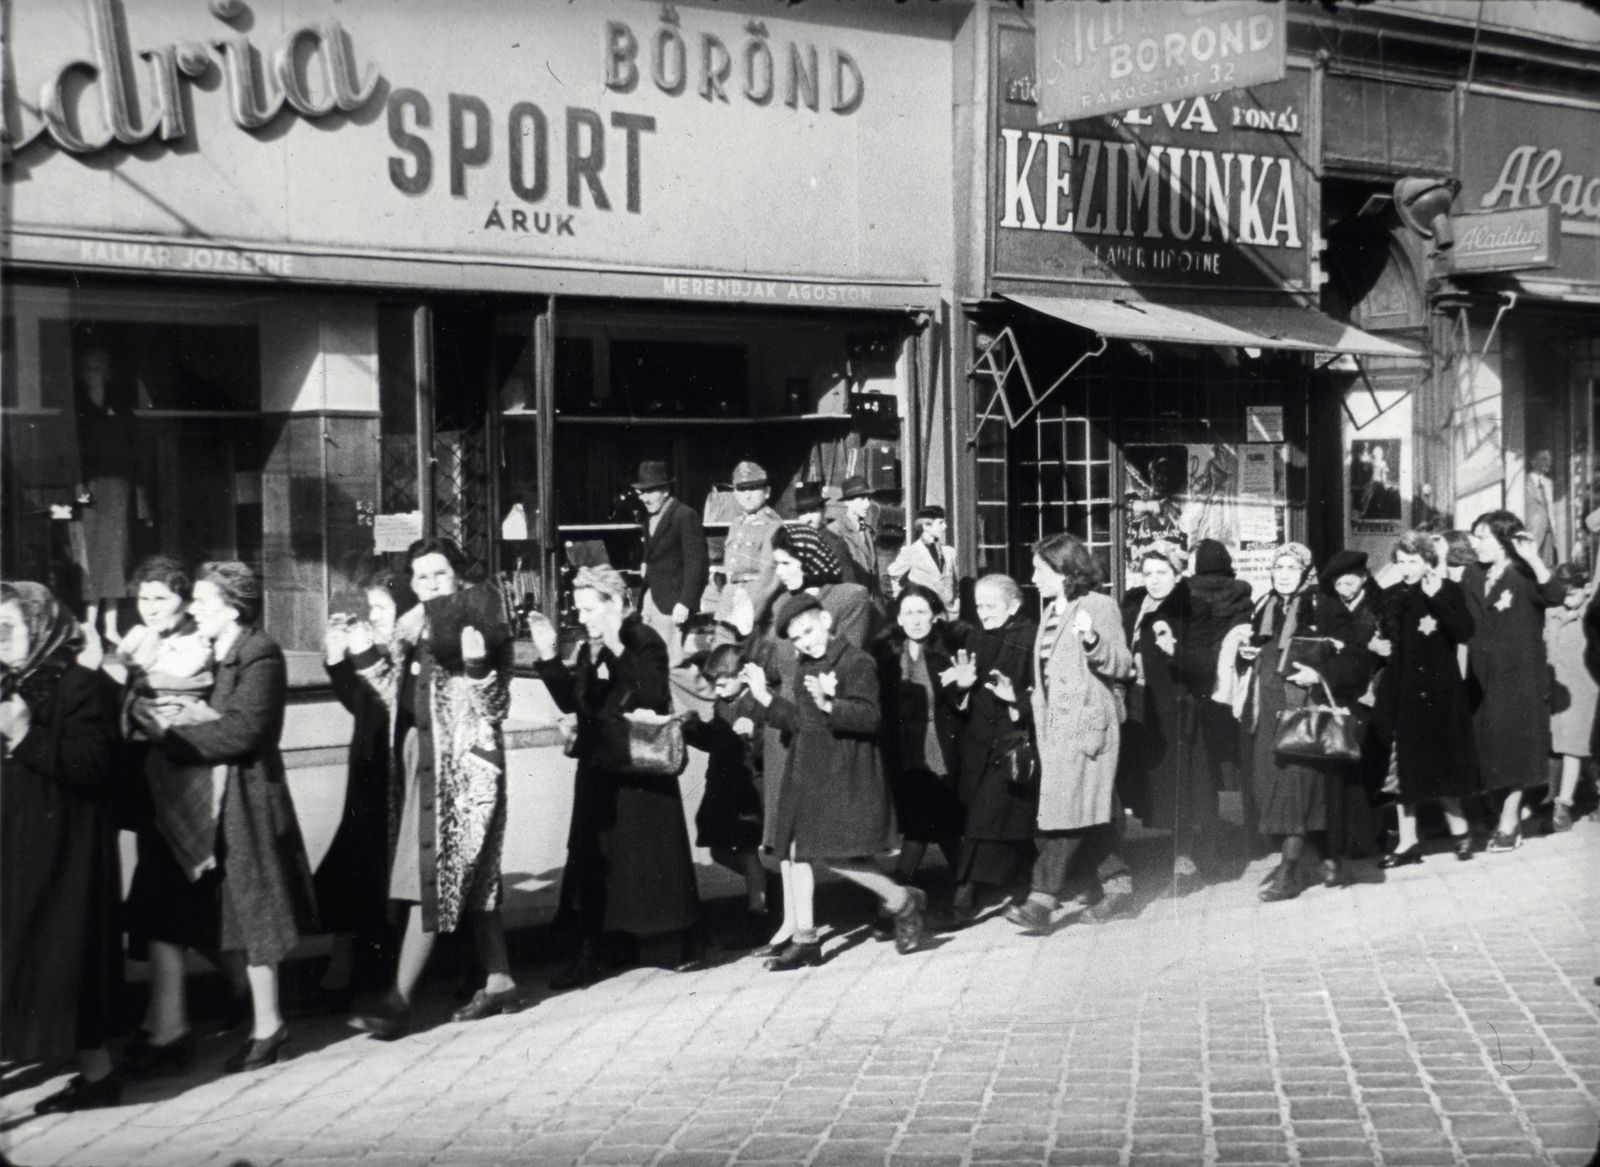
1542 505
108 487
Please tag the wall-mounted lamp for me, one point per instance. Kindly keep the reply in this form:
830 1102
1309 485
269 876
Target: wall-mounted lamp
1424 206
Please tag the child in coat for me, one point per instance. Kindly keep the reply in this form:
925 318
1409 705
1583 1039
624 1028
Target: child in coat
728 822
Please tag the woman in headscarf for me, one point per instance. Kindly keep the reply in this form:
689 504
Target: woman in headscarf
1291 796
1164 778
263 899
59 882
629 866
1423 709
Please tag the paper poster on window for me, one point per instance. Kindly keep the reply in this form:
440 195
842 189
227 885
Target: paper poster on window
395 532
1217 490
1375 503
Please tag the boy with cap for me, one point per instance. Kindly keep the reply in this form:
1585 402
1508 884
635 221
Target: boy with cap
675 563
832 806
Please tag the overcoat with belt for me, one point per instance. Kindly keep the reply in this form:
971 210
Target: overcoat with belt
1078 714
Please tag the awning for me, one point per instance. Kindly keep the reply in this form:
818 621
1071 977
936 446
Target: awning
1282 326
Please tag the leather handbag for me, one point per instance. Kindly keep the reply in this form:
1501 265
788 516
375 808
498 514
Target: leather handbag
626 745
1019 761
1326 733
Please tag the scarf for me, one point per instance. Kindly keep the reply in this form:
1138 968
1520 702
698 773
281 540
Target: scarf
54 641
817 560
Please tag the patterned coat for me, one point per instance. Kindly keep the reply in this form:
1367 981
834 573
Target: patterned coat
461 841
1078 714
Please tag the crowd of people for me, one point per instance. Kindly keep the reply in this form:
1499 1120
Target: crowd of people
850 719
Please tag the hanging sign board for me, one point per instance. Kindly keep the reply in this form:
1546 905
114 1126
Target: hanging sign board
1513 240
1096 59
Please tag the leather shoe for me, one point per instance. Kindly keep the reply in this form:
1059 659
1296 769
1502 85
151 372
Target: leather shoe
382 1020
1560 818
258 1053
1463 844
487 1004
143 1058
1334 874
1506 840
766 951
82 1094
1111 906
1033 918
911 921
1285 885
1412 854
796 955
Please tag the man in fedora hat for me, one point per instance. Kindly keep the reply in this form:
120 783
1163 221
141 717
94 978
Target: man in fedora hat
809 506
675 563
747 553
857 529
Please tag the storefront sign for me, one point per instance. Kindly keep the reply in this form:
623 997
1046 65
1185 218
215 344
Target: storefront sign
630 135
1096 59
1199 192
1523 154
1519 240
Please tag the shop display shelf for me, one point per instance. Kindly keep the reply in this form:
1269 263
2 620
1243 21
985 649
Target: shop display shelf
777 419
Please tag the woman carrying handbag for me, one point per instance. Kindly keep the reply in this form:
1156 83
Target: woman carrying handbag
629 866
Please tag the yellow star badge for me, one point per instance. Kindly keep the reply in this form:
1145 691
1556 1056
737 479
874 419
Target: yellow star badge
1427 625
1503 604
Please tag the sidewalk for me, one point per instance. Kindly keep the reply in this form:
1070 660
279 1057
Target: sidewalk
1445 1016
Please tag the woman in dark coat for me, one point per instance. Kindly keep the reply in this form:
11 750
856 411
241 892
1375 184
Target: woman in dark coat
1222 603
1507 591
919 727
1290 795
629 867
59 883
834 807
1164 779
997 843
353 881
1347 613
264 888
446 686
1423 707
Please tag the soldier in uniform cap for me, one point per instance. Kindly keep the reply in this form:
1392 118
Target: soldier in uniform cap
747 554
809 506
675 561
857 528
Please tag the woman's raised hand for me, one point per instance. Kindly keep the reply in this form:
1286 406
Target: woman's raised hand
963 671
472 646
358 637
546 642
1165 640
336 641
1002 687
1083 625
15 720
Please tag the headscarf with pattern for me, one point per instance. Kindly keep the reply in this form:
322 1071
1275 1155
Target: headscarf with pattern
54 640
818 563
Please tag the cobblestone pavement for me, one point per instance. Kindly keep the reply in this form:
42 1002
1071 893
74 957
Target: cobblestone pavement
1444 1016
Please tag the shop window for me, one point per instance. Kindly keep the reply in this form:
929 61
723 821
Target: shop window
141 421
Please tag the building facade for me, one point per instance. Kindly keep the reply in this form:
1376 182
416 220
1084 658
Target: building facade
298 283
1118 264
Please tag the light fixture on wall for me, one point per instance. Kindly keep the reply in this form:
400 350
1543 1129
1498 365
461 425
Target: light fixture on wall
1424 206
